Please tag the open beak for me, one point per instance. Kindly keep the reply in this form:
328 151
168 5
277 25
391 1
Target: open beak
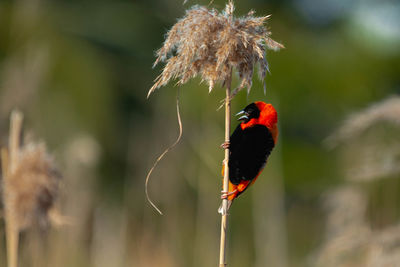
243 117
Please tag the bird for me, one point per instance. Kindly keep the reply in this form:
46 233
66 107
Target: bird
249 148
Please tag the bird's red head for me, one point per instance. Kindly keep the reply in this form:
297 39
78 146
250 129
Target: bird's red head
260 113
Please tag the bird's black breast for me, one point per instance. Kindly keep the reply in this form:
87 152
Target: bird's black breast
249 150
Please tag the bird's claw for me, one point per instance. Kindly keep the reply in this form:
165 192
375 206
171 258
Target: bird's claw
225 145
225 194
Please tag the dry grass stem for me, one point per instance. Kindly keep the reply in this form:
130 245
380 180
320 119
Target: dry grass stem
9 163
162 155
210 44
30 186
224 210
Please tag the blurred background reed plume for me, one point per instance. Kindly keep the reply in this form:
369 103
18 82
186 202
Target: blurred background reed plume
33 187
80 72
362 226
30 185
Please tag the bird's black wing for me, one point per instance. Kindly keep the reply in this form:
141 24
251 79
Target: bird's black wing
249 150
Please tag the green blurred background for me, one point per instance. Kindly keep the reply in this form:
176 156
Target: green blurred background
80 72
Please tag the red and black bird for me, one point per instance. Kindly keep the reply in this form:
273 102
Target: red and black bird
250 146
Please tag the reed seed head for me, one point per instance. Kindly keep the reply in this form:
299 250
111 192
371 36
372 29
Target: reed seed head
387 110
33 187
210 44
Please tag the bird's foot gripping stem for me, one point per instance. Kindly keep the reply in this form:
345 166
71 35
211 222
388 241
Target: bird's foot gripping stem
224 210
225 194
225 145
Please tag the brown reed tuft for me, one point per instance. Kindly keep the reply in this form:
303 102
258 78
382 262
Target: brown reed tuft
369 151
387 110
369 142
33 187
30 186
210 44
350 240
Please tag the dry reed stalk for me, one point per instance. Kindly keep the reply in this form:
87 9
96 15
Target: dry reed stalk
30 186
212 45
11 231
10 163
162 155
224 213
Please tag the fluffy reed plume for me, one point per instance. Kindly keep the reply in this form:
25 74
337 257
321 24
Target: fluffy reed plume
371 147
346 230
349 239
30 186
384 248
387 111
379 159
33 187
369 151
210 44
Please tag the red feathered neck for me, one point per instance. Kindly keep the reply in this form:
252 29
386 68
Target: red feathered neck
268 117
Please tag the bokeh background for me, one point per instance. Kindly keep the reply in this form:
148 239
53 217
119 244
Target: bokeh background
329 196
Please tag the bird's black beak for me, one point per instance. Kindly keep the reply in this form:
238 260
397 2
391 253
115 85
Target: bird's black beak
243 117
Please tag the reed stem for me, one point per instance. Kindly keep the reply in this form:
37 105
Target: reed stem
10 162
224 218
